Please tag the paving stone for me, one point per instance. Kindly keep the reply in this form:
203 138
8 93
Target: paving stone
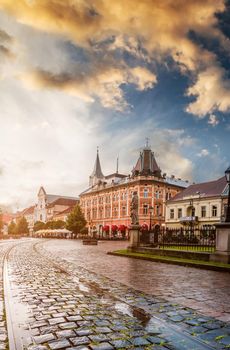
176 318
82 332
60 344
102 330
155 340
37 347
56 320
102 346
225 341
66 333
98 338
44 338
67 325
121 344
80 340
140 341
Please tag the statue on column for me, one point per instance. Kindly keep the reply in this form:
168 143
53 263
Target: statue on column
134 209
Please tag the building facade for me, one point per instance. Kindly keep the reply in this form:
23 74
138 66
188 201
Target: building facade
200 205
49 205
106 203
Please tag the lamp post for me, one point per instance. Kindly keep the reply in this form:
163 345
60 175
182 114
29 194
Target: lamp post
150 217
227 175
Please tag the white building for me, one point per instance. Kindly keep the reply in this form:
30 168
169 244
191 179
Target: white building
49 204
200 204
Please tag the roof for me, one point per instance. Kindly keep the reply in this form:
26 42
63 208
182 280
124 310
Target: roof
66 211
63 201
28 211
146 164
205 189
50 198
115 175
97 168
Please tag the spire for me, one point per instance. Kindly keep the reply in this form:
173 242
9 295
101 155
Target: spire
97 173
117 164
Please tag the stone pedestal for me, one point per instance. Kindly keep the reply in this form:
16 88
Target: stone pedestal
222 253
134 236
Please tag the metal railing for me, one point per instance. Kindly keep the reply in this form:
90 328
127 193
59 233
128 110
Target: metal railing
184 238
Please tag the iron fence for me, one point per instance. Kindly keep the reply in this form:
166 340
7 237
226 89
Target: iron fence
184 238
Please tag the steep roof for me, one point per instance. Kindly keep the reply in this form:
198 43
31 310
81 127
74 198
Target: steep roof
97 168
205 189
146 164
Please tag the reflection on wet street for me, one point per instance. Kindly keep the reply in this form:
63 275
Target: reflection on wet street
59 294
206 291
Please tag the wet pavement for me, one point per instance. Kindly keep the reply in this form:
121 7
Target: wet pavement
206 291
68 296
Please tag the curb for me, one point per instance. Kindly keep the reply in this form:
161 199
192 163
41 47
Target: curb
173 262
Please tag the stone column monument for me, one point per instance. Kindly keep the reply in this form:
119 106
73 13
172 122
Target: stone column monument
135 227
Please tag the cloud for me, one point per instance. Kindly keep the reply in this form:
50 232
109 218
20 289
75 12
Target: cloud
5 43
213 120
150 30
103 83
212 92
203 153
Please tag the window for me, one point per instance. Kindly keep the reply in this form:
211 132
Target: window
100 213
157 194
203 211
171 213
214 210
179 213
193 211
115 211
145 209
123 211
158 210
168 196
146 192
107 212
94 213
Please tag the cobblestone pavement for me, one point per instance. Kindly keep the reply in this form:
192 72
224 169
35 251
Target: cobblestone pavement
207 292
60 304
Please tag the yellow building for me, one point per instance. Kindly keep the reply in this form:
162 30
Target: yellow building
199 204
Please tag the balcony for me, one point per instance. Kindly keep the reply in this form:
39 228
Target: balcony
185 219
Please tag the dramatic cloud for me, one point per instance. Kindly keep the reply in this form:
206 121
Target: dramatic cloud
148 30
104 83
212 92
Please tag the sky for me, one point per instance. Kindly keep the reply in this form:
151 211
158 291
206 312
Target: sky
78 74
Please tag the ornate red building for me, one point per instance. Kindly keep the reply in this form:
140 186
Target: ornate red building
106 203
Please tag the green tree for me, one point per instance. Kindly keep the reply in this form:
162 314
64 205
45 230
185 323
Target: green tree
76 221
12 228
55 224
22 226
39 225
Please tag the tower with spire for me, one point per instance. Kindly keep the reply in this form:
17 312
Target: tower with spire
97 174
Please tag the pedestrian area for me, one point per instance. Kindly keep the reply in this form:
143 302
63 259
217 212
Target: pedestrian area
50 303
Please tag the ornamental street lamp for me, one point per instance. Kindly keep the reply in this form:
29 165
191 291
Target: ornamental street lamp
150 217
227 175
